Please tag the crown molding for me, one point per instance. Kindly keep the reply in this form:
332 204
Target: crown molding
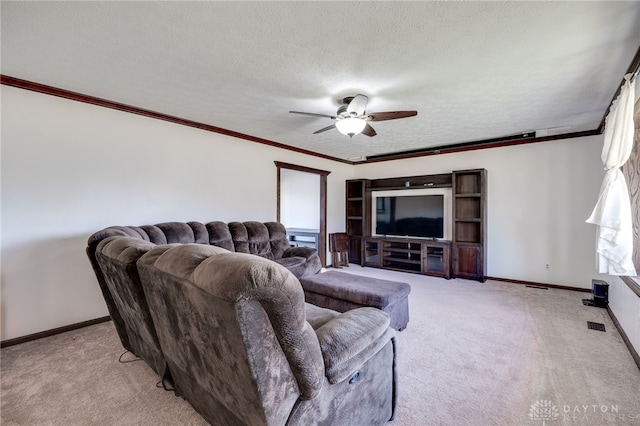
54 91
444 149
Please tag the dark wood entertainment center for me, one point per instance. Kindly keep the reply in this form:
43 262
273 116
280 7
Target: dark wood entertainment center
463 256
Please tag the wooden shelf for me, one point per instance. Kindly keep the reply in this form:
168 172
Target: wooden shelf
357 216
404 268
401 260
398 250
467 182
469 224
424 181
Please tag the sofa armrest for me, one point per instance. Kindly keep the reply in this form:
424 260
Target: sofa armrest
350 339
306 252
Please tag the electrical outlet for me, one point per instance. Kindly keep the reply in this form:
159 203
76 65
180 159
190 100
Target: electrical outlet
547 266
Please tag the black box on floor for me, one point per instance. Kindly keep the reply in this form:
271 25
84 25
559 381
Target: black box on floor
600 293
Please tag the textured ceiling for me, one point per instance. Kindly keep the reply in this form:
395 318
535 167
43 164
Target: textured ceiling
472 70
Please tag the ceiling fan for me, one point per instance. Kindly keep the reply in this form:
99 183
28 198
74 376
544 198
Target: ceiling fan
352 118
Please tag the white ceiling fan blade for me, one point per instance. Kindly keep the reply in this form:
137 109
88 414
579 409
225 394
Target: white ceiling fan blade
358 104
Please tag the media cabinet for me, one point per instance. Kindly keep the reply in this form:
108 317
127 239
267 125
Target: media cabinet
463 256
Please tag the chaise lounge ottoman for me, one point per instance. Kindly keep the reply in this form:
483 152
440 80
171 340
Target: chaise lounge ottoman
342 292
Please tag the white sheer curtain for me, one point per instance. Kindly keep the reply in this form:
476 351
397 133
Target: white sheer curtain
612 213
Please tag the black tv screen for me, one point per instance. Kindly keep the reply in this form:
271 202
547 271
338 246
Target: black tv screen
410 215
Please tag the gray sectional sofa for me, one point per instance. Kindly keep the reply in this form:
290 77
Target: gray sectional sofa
231 332
268 240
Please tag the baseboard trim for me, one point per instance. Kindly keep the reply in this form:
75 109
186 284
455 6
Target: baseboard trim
625 338
560 287
52 332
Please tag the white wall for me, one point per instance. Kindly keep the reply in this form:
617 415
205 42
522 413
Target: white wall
70 169
299 199
539 196
626 307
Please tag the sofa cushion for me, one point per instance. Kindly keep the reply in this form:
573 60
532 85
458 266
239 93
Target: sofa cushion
317 316
352 339
126 249
179 264
219 235
251 238
278 239
177 232
117 231
289 262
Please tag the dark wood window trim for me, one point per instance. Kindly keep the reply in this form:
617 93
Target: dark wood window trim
290 166
322 243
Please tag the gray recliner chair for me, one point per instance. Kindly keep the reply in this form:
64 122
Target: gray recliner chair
245 349
117 258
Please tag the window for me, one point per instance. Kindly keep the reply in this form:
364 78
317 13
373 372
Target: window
322 243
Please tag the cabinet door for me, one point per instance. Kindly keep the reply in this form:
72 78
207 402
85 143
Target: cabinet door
467 262
355 250
436 259
371 253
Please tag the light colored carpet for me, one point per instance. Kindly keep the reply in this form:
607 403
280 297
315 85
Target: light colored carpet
473 353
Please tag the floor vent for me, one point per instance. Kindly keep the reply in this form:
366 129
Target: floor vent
595 326
588 302
539 288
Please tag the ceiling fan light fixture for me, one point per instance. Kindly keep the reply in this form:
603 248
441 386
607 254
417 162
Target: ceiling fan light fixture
352 118
351 126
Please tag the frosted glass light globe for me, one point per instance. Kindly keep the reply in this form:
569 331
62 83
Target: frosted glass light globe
351 126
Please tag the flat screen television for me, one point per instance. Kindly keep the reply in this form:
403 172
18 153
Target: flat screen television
417 213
